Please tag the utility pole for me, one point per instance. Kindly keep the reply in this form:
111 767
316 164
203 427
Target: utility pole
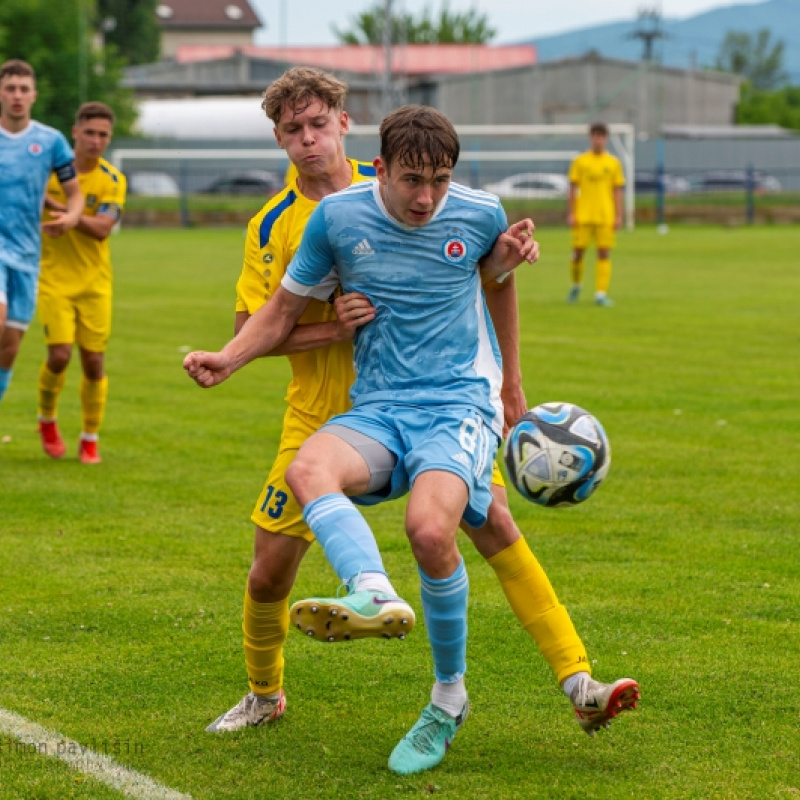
386 75
648 30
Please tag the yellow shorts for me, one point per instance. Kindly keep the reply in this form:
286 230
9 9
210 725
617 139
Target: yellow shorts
84 318
497 476
277 510
604 236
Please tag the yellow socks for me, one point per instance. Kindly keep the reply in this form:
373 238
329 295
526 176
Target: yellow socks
265 627
536 606
602 275
50 386
93 403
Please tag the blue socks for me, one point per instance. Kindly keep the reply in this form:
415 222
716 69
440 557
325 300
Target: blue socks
5 379
344 535
444 603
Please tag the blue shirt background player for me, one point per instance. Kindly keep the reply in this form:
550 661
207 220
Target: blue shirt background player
29 152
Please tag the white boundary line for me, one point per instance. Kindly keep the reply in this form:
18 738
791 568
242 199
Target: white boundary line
35 739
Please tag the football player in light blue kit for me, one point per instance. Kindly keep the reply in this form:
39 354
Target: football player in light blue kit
426 401
29 152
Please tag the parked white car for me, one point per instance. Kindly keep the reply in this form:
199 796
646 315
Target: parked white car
153 184
531 185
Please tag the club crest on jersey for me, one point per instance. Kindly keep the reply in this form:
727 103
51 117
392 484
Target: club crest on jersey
455 250
35 149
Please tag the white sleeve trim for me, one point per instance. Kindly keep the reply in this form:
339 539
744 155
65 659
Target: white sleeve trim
320 291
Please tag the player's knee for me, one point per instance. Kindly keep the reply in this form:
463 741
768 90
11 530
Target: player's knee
266 584
301 477
58 359
431 542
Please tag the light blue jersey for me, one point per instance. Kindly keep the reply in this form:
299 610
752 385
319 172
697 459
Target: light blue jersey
432 341
26 160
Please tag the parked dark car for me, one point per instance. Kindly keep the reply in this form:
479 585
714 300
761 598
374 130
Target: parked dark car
735 181
647 183
252 182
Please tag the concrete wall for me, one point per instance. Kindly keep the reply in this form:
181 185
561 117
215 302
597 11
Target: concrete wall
579 90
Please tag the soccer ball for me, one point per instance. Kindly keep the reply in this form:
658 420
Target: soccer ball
557 454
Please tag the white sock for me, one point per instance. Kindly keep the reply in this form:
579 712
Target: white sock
571 684
375 582
450 697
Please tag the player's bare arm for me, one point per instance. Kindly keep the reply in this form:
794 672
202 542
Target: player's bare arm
62 221
352 310
511 249
501 300
573 194
262 332
98 226
617 207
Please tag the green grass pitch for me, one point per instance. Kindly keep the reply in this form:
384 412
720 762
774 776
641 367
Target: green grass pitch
121 585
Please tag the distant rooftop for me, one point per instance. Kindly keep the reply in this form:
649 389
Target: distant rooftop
410 59
216 14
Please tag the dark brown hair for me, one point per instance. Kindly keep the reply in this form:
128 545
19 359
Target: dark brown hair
419 136
17 67
94 110
598 127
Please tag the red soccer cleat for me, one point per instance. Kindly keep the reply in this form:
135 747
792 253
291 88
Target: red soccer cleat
52 442
89 452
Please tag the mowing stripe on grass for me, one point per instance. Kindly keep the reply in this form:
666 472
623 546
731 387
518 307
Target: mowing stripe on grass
36 739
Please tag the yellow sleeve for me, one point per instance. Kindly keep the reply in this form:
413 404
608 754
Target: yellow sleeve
575 171
262 269
619 175
113 197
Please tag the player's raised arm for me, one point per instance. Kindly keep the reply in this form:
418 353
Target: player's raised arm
262 332
510 250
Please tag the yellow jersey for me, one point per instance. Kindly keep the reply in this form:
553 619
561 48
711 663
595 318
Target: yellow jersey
321 378
76 260
596 176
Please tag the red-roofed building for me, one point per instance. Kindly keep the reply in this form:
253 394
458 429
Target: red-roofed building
411 59
224 23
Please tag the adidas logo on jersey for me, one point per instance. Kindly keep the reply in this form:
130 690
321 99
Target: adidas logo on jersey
363 248
462 459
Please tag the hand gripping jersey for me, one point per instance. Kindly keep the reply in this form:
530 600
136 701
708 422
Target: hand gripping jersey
432 341
75 261
26 160
321 378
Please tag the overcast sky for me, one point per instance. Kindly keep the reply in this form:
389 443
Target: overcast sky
309 21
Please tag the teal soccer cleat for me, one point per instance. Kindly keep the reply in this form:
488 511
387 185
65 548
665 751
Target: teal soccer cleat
574 294
427 743
359 615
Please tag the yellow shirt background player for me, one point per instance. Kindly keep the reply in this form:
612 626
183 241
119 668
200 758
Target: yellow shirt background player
75 285
595 211
321 378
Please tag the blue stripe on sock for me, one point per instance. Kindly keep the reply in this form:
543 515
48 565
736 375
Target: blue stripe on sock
5 379
444 603
343 534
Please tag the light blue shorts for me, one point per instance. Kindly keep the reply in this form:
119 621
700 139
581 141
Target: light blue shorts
451 438
18 292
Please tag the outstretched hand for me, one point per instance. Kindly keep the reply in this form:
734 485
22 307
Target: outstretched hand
207 369
353 310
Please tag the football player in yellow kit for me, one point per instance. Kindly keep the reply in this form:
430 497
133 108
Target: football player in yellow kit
75 285
595 211
307 107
